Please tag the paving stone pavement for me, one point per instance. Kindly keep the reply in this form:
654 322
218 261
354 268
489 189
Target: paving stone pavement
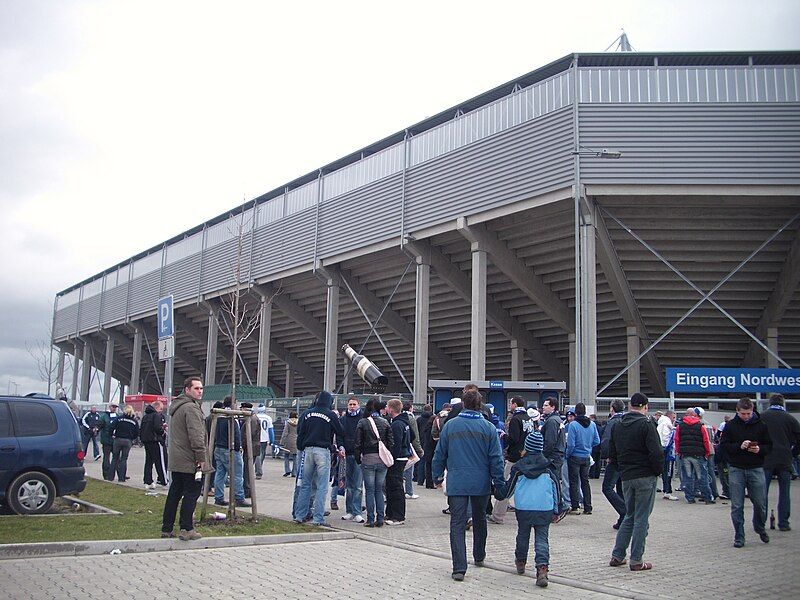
691 546
338 570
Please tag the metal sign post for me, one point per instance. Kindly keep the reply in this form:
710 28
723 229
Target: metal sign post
166 341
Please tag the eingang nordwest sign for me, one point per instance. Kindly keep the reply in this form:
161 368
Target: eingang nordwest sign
699 379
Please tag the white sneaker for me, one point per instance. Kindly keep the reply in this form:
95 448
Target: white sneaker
412 496
149 486
347 517
358 519
670 497
390 522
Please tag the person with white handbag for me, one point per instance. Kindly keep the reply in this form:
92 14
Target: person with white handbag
373 440
401 451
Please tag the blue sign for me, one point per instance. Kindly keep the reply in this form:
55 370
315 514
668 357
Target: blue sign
784 381
166 327
496 385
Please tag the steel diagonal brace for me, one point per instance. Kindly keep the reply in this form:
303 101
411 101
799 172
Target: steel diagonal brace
374 325
236 350
705 296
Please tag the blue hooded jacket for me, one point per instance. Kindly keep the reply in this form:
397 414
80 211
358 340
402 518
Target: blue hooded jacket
469 449
318 424
582 436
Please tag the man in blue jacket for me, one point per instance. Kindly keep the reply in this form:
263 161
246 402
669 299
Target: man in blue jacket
315 432
582 436
469 449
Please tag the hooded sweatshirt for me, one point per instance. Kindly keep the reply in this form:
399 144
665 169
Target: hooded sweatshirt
636 447
319 424
736 432
534 485
691 438
152 426
582 436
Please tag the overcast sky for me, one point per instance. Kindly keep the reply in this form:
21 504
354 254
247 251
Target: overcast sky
123 123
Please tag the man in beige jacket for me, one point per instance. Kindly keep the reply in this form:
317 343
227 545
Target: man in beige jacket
187 458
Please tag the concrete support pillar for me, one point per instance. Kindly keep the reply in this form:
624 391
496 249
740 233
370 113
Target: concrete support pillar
108 370
136 363
421 320
76 366
265 331
211 348
588 330
331 335
772 344
634 373
347 386
289 386
477 363
517 362
60 368
86 371
573 364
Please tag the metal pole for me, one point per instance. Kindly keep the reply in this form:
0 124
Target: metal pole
251 471
207 477
577 394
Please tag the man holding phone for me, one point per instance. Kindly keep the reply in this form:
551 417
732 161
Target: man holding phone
746 442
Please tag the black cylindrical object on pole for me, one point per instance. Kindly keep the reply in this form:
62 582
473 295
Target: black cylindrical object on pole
366 370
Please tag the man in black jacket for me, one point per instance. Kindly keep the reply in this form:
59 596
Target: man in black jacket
353 477
402 437
519 426
746 442
555 445
151 432
784 430
611 479
636 449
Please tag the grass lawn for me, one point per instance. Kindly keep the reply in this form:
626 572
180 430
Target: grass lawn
141 519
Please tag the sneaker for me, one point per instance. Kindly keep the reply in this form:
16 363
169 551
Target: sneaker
480 563
379 523
412 496
149 486
458 577
323 524
574 511
347 517
286 474
162 484
560 516
221 502
724 496
189 535
764 537
520 564
391 522
469 524
495 520
738 544
691 502
587 512
358 519
369 524
334 506
96 458
784 528
243 503
167 534
258 476
670 497
711 501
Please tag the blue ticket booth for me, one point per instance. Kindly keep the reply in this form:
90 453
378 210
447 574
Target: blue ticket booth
498 393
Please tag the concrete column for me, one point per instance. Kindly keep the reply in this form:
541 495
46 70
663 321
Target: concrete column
421 320
573 378
60 368
331 335
347 386
634 373
477 363
86 371
588 331
136 363
73 393
108 369
289 386
517 362
772 344
211 348
265 331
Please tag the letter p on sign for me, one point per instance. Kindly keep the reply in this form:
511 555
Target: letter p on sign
165 322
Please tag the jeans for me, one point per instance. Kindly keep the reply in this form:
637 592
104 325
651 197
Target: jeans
119 458
87 435
784 481
316 469
610 480
290 456
712 476
222 458
155 454
723 477
666 475
565 491
458 529
374 478
540 521
408 480
579 481
640 494
395 493
354 480
260 459
755 482
183 486
695 472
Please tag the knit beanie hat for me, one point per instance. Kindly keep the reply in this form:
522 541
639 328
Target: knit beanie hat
534 443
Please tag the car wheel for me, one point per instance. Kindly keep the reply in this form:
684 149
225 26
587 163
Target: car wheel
31 493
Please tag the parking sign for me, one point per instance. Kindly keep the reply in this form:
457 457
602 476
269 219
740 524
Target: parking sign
164 316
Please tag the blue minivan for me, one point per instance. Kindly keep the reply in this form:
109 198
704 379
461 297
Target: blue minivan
41 454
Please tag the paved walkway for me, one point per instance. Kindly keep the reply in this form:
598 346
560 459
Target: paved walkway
690 545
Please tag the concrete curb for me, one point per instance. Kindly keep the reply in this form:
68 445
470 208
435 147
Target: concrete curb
90 548
560 579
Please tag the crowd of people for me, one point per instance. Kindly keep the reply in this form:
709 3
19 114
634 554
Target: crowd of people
538 462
